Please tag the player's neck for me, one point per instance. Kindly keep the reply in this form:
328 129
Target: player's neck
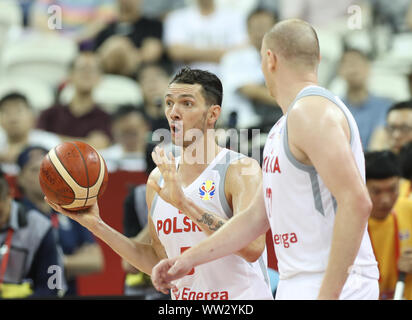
199 154
288 91
194 161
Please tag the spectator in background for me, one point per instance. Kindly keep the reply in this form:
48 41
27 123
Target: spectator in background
409 17
17 120
409 78
398 131
243 81
130 130
201 34
394 13
130 40
81 253
158 9
81 20
244 7
403 208
154 80
26 6
382 181
319 13
81 119
368 110
29 249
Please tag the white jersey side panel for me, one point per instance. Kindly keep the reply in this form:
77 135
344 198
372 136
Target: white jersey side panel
300 208
230 277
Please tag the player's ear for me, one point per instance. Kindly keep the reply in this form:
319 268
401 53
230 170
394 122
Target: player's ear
272 60
213 114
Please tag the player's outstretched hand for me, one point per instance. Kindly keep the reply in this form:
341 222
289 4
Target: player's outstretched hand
171 191
88 218
168 270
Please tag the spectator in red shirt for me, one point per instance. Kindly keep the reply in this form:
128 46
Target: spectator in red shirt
81 119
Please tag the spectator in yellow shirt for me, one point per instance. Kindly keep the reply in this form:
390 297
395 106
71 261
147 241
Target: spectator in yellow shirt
382 181
403 208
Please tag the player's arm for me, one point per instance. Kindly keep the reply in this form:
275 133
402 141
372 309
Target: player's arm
242 180
232 237
150 194
319 135
242 177
144 237
142 256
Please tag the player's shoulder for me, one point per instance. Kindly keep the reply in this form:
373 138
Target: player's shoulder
312 109
243 168
154 175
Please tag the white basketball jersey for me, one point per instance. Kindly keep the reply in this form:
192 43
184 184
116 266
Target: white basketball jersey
230 277
300 208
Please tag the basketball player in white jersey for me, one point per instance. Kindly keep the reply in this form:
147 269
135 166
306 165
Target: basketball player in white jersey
213 189
313 190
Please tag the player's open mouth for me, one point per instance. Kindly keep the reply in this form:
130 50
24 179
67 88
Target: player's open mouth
175 128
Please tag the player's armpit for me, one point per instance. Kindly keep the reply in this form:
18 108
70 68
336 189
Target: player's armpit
243 186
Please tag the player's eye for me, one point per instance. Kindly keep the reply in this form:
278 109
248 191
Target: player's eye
188 103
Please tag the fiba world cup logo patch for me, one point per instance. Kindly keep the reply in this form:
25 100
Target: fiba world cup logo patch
207 190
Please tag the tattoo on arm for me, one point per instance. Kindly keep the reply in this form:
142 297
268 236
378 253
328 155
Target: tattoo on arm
217 226
208 220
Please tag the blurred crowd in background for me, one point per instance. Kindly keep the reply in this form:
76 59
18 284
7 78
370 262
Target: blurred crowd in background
97 71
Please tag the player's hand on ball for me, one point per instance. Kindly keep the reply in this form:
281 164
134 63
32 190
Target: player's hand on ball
88 217
171 191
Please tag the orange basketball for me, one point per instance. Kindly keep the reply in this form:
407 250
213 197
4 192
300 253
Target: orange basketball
73 175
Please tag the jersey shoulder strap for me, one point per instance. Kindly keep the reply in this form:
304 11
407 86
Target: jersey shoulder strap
222 167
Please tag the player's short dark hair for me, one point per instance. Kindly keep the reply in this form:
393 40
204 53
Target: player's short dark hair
405 161
126 109
212 86
400 106
381 165
14 96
